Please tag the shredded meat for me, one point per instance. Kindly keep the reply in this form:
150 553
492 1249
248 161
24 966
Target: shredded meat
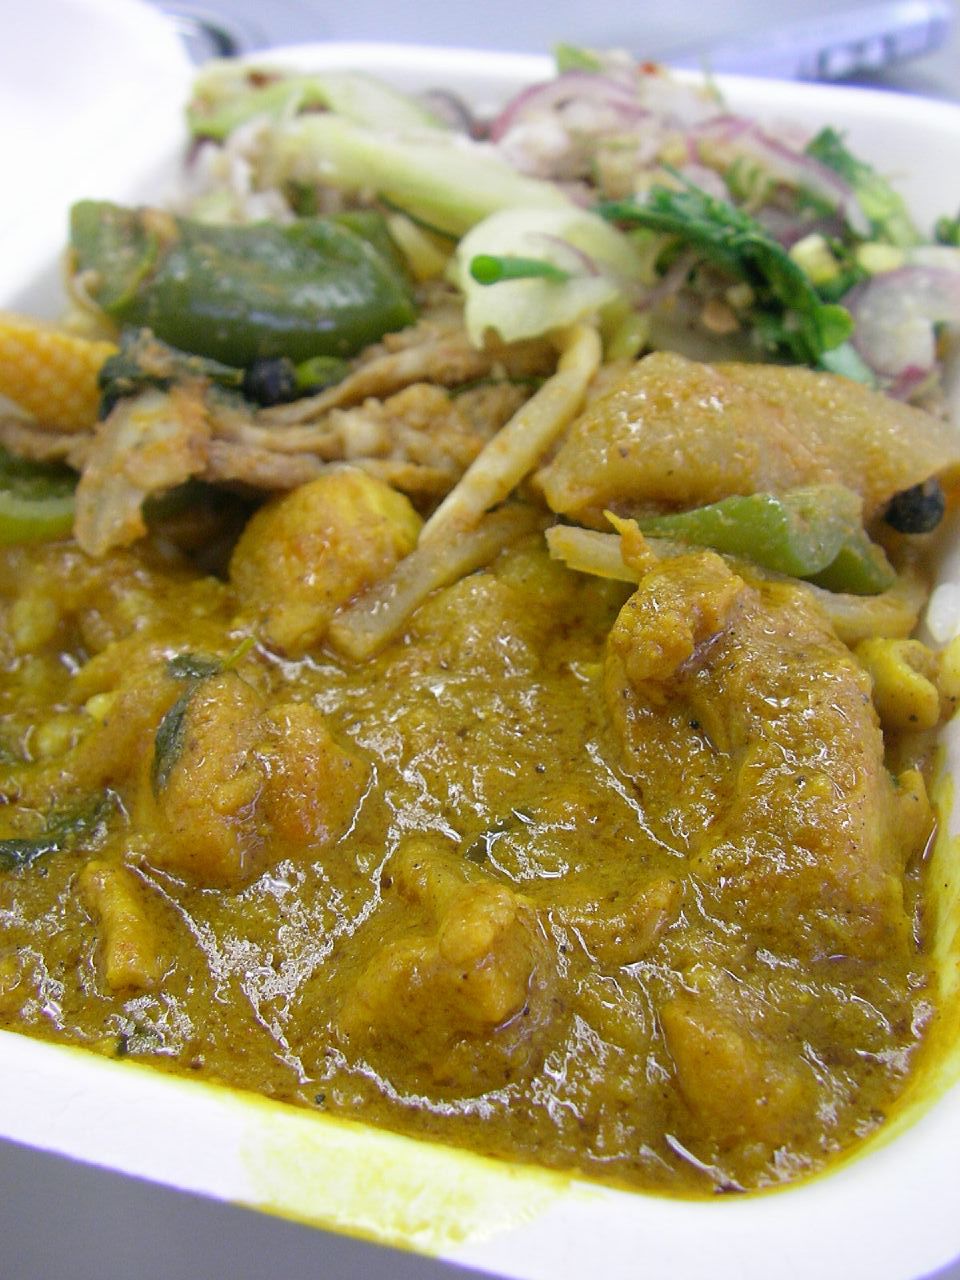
394 416
148 444
436 349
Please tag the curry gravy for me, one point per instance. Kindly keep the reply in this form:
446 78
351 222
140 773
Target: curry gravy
603 880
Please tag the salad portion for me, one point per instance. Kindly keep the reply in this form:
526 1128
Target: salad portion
770 245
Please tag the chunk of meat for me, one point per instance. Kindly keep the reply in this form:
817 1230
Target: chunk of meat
786 809
435 350
313 785
740 1086
460 1005
675 434
304 555
422 427
204 793
112 752
129 948
627 929
234 787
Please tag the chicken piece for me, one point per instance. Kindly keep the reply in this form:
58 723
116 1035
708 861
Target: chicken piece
257 467
420 439
313 785
119 741
304 555
461 1004
739 1085
787 812
205 784
691 606
675 434
234 787
128 943
627 929
148 444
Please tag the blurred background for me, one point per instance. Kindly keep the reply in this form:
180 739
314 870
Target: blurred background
910 45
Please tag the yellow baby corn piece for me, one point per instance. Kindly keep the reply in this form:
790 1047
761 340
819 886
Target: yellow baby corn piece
904 674
49 373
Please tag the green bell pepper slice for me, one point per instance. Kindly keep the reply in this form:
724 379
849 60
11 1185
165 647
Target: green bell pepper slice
319 286
815 533
36 500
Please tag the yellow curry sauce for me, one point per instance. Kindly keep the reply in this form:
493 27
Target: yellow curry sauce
604 879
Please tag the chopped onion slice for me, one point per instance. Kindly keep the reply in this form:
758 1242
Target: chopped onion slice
794 168
571 86
895 314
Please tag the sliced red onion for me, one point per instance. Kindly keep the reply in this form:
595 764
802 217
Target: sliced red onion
669 284
453 111
895 314
787 228
794 168
564 254
908 383
571 86
706 179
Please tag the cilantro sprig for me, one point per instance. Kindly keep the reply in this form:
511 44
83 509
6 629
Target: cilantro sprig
790 316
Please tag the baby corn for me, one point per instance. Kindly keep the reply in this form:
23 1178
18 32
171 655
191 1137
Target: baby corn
49 373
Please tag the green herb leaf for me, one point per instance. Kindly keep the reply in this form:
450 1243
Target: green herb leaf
884 208
168 743
803 324
62 833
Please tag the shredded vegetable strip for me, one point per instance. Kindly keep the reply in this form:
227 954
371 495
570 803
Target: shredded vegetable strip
517 447
366 626
589 552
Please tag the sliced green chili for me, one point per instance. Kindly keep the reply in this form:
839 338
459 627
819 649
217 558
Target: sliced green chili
320 286
36 500
813 533
489 268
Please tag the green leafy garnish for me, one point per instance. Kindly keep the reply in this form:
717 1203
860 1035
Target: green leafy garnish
572 57
62 832
194 668
791 316
168 743
488 268
883 207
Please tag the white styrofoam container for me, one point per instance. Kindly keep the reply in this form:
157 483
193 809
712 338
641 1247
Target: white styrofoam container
113 128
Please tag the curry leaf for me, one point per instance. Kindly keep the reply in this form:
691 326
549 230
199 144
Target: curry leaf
168 743
62 833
